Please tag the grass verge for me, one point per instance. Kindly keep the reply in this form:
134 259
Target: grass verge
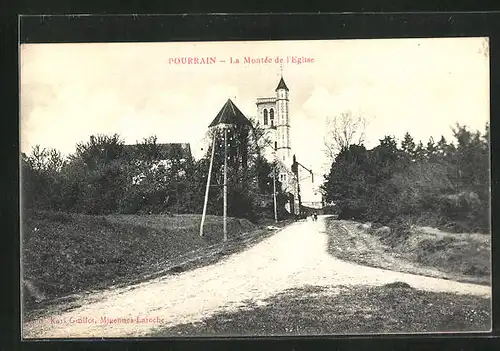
461 257
67 254
392 308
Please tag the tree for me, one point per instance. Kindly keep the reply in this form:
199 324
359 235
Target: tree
442 146
471 158
104 175
160 179
264 169
486 135
431 150
420 152
343 131
248 171
444 183
408 145
347 183
28 183
384 158
41 178
99 150
385 161
147 150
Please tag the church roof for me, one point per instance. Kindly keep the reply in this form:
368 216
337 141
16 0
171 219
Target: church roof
230 114
282 85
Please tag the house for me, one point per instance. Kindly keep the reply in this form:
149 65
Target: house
158 155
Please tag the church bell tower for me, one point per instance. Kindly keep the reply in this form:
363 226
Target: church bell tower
284 149
273 115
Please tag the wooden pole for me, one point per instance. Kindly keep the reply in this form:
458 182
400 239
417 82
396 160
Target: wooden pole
225 183
274 193
208 188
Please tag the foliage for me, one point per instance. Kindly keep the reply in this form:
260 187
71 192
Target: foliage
106 176
40 178
344 130
392 185
250 185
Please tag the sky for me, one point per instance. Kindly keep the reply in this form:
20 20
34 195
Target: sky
423 86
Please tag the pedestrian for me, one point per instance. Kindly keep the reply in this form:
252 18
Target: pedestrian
315 216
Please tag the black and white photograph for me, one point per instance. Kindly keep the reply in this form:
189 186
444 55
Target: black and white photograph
255 188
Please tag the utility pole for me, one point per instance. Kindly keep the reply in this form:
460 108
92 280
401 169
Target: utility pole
228 117
295 170
274 195
225 183
208 187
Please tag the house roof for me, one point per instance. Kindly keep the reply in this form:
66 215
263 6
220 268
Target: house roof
282 85
166 151
230 114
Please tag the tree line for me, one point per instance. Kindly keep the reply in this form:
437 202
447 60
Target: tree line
105 176
443 183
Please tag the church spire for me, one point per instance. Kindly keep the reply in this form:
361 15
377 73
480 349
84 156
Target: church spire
282 85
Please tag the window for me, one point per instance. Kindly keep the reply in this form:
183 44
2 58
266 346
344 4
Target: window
265 117
271 117
275 145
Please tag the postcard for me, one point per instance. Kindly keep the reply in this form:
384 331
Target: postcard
255 188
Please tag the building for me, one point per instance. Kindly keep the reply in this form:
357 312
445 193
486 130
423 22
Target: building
164 151
160 155
274 116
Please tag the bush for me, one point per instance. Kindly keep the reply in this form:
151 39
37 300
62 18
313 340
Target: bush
351 213
434 185
330 210
102 177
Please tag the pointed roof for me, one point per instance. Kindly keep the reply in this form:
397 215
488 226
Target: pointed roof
282 85
230 114
165 151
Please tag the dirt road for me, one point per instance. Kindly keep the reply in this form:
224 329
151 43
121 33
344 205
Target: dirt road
294 257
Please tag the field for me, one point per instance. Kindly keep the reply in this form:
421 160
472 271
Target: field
66 254
313 310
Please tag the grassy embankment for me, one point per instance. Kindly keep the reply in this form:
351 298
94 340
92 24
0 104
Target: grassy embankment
423 250
66 254
392 308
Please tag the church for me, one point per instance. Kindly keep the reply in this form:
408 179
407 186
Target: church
273 115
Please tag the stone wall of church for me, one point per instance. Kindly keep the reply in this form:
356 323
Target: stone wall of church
266 111
266 108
